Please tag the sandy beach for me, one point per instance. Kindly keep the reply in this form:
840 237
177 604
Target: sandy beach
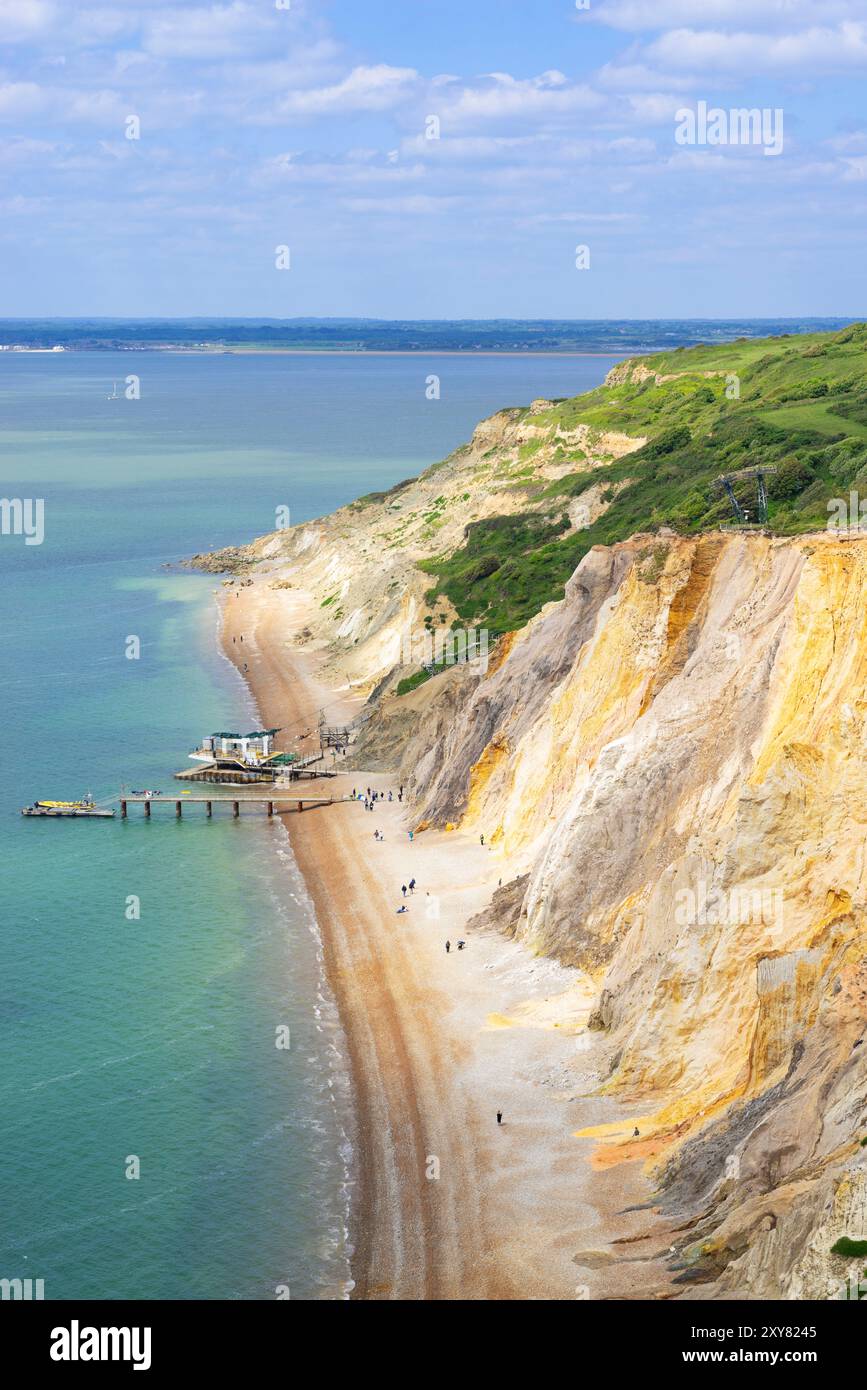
447 1204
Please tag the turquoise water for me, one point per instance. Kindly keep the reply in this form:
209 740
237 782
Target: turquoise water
155 1037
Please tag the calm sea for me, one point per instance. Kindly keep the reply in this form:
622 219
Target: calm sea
145 968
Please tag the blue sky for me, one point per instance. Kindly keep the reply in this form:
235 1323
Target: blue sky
263 126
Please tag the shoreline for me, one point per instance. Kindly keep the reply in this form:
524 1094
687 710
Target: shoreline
340 1079
445 1203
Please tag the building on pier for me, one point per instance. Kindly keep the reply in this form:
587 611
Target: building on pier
235 758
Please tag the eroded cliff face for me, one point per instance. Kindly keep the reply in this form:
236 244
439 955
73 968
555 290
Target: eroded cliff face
674 758
671 763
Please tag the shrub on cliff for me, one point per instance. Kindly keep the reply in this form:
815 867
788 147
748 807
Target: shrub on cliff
793 475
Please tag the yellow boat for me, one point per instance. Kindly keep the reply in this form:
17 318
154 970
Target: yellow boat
87 807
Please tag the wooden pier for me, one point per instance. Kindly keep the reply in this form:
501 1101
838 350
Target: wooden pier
281 803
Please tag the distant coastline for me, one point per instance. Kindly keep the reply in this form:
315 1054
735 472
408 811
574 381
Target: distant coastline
379 337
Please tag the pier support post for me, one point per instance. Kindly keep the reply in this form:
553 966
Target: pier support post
147 807
178 809
210 806
236 809
270 808
123 810
300 805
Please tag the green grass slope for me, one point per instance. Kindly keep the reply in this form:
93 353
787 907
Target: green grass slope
799 403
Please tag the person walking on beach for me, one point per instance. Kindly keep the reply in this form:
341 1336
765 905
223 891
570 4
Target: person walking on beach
410 833
412 885
391 796
499 1117
403 889
448 947
481 839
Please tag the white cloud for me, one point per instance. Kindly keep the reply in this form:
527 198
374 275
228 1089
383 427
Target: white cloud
21 150
759 14
637 77
543 151
309 65
811 51
417 204
598 219
855 140
500 97
361 168
25 19
216 31
469 149
653 108
19 99
377 88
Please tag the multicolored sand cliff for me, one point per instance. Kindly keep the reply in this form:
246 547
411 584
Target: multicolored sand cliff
666 770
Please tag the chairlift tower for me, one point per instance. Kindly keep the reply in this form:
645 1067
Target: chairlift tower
725 483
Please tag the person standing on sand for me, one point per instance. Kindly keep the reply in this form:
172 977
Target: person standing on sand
410 833
412 885
403 889
481 839
499 1117
448 947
